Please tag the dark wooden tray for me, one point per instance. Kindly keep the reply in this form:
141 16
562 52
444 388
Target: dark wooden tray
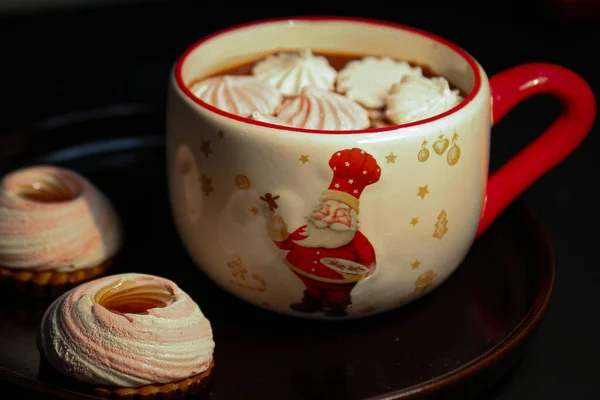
456 341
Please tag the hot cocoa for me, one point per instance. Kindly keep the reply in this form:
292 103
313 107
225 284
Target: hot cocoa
328 91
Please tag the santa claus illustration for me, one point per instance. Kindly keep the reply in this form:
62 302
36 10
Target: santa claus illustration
329 254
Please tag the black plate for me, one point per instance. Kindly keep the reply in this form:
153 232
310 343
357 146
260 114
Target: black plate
459 339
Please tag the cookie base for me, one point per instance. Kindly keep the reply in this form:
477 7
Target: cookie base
196 385
166 391
48 284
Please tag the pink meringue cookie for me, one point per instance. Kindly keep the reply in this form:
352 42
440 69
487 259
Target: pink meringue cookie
367 81
322 109
238 94
53 219
416 98
126 330
267 118
291 72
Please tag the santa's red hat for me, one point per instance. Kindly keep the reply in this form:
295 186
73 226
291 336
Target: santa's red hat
353 170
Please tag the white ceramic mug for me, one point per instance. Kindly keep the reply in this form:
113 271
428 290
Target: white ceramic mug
418 194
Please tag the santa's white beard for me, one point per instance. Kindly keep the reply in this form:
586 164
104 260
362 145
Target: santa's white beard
326 236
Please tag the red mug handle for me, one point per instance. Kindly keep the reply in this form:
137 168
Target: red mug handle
509 88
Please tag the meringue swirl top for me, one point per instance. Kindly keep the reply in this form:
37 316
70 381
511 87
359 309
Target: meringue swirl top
368 81
291 72
417 98
54 219
238 94
322 109
126 330
267 118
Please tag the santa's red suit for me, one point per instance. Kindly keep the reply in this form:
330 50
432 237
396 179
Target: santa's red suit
353 170
319 279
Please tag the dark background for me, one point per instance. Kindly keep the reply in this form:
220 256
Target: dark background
60 60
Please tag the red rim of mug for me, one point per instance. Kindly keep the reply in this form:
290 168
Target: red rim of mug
188 93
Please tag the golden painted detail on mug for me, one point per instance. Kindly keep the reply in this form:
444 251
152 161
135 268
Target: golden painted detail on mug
205 148
414 221
441 145
415 264
441 226
454 152
391 158
423 282
206 183
424 152
423 191
254 210
237 268
240 275
221 133
243 182
303 159
369 310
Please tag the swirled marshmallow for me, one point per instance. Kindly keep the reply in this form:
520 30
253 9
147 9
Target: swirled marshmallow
291 72
322 109
126 330
54 219
416 98
368 81
238 94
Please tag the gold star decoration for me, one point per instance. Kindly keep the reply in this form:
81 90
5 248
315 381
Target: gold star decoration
423 191
254 210
221 133
205 148
415 264
303 159
391 158
206 183
414 221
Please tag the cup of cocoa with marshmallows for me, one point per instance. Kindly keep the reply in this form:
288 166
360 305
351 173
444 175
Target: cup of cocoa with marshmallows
336 168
